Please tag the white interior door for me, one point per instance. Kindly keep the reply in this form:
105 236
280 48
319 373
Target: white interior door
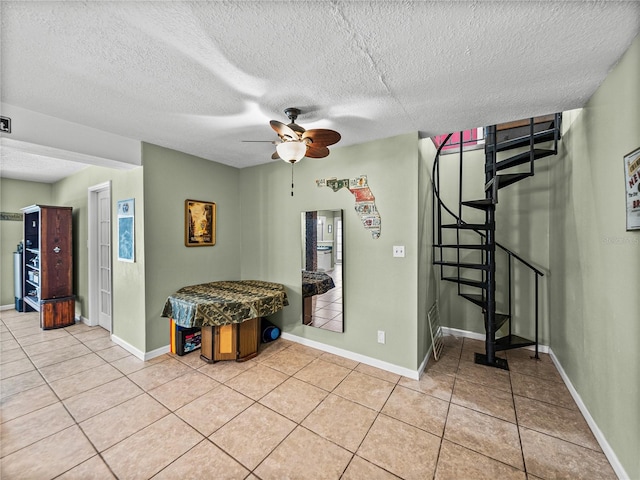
104 259
99 244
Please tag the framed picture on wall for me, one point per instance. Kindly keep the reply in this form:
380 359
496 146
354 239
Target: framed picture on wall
632 183
199 223
126 230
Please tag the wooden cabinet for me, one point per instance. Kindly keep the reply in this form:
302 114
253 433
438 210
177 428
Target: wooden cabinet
48 264
237 341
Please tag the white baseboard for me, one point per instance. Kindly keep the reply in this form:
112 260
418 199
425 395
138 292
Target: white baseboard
88 322
601 439
139 353
462 333
374 362
7 307
128 347
481 336
423 365
157 352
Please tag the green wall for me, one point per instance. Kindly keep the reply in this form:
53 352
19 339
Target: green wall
14 195
128 278
380 292
170 178
595 277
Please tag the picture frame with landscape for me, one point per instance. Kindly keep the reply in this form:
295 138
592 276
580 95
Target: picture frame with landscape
199 223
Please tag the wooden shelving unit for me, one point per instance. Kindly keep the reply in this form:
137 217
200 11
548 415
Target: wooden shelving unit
48 264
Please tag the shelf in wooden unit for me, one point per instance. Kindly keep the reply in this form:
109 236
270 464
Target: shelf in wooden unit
33 302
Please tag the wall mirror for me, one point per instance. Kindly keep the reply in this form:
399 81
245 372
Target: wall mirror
322 257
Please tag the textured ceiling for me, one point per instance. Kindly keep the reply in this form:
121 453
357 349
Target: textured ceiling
200 77
39 168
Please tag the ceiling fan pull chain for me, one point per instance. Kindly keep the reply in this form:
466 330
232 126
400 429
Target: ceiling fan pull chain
292 179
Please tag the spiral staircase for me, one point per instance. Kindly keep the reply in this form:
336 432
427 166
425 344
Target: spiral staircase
467 253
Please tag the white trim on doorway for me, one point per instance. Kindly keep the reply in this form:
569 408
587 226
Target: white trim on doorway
92 246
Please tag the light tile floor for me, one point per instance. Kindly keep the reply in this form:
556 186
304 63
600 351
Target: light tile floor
77 406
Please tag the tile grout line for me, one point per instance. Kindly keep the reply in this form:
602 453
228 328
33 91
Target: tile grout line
515 412
378 413
446 420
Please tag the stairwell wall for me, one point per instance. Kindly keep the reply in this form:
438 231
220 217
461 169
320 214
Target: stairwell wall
595 277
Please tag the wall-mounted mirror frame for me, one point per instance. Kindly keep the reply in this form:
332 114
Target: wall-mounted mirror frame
322 269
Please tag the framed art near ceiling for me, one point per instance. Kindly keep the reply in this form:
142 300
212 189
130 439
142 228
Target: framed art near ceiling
199 223
632 183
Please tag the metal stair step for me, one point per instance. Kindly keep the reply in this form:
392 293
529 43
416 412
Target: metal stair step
479 300
520 159
507 179
484 204
538 137
465 247
466 281
512 341
468 226
501 319
539 121
477 266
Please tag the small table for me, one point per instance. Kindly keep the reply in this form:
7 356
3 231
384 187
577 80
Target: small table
228 313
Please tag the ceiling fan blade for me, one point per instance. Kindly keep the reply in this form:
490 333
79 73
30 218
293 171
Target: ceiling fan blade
322 136
258 141
316 151
283 130
296 128
275 156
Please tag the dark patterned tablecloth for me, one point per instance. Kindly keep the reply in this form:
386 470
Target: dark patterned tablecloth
316 283
222 303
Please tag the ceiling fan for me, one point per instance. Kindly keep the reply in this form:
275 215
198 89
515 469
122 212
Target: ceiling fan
296 142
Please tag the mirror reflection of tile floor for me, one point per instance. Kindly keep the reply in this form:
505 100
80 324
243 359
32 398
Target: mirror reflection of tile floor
74 405
328 314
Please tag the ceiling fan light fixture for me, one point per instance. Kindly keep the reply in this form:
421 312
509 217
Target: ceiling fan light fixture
292 152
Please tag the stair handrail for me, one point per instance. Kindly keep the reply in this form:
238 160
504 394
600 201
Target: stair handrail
460 221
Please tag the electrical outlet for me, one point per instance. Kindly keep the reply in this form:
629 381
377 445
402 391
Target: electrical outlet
381 336
398 250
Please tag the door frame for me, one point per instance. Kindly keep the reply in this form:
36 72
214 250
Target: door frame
93 251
